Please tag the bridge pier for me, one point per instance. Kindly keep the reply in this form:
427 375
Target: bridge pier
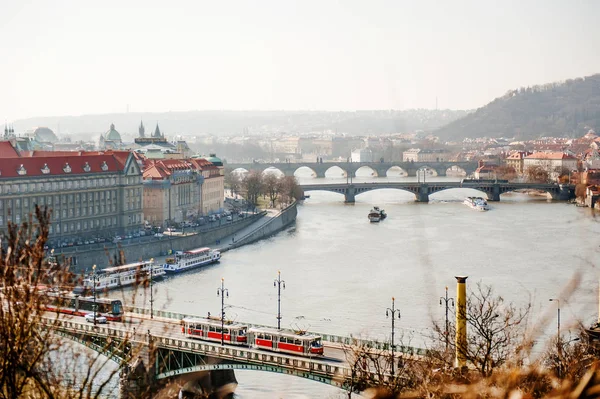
494 195
564 193
423 193
349 194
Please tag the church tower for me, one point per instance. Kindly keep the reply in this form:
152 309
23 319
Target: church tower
142 130
157 132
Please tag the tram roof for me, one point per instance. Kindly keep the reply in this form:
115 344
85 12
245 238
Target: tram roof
284 333
216 323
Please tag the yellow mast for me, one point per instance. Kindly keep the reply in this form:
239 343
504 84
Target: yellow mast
461 321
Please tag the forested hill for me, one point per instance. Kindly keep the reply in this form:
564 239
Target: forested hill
568 108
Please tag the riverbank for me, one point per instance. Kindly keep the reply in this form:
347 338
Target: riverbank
224 237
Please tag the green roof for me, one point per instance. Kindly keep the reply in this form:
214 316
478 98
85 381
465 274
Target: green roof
112 134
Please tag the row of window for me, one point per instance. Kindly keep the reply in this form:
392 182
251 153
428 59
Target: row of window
6 188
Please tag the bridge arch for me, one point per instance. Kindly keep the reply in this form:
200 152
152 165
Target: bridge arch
330 375
396 171
428 170
335 172
456 171
366 190
305 172
463 192
366 171
273 170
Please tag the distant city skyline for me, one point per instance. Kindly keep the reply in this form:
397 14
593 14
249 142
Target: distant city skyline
72 58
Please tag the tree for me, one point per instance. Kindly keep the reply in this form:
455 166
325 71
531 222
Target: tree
537 174
34 361
252 184
272 186
506 172
495 330
233 181
290 189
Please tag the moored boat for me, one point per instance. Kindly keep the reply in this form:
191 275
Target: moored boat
477 203
121 276
382 214
186 260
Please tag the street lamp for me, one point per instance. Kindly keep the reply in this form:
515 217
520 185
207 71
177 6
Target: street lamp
222 292
451 301
558 310
392 312
151 297
277 283
94 290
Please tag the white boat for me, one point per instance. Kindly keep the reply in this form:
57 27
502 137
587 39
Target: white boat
186 260
122 276
477 203
382 214
374 215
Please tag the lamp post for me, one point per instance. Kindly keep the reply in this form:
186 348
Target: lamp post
558 315
222 292
94 290
278 283
151 293
451 301
392 312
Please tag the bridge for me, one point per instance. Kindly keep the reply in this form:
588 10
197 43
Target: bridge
422 191
380 169
153 353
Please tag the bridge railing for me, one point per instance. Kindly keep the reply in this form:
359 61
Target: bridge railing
331 338
236 354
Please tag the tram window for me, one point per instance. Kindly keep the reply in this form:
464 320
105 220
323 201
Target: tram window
212 328
297 342
283 339
242 332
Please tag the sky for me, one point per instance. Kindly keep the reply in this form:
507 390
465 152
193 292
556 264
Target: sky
79 57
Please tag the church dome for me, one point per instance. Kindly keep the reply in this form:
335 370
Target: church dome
112 134
44 134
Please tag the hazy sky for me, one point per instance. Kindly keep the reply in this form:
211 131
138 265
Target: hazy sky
81 57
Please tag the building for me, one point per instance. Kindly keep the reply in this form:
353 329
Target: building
176 190
362 155
91 194
419 155
554 163
213 188
516 160
485 171
156 145
172 191
110 140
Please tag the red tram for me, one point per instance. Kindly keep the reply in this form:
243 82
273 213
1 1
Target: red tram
76 305
210 330
304 344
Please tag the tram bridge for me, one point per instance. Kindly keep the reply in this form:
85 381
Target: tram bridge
154 352
379 169
422 190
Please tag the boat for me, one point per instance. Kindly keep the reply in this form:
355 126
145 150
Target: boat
477 203
374 216
382 214
186 260
121 276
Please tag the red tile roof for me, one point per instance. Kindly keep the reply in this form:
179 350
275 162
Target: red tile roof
7 150
550 155
33 165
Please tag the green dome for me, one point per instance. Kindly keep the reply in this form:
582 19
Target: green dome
112 134
212 159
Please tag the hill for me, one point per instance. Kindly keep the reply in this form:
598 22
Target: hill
568 108
231 123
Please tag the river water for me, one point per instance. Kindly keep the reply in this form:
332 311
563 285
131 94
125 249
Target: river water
341 271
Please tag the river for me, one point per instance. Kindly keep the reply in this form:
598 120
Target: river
341 271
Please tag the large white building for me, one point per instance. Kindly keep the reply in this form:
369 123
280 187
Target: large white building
362 155
554 163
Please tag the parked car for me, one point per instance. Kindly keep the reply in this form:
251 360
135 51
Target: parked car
159 235
99 318
229 218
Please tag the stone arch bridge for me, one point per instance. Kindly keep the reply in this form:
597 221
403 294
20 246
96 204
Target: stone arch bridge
350 168
422 191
